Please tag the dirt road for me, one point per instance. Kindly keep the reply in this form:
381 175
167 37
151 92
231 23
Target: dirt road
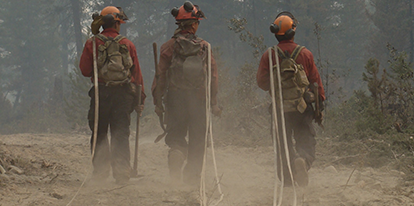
48 169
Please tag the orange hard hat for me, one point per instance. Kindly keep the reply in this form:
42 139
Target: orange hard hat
187 11
284 23
116 12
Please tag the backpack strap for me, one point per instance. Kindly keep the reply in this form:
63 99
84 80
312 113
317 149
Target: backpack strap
118 38
102 37
281 53
296 52
105 38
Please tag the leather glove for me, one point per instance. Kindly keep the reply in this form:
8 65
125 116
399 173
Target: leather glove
216 110
159 110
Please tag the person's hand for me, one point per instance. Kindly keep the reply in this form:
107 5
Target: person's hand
321 105
139 108
319 118
216 110
159 110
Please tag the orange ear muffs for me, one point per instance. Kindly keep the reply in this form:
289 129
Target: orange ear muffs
284 25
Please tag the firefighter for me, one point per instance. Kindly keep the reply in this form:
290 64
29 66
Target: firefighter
180 84
298 112
117 93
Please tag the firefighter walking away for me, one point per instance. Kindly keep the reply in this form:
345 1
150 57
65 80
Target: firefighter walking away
179 91
119 76
298 75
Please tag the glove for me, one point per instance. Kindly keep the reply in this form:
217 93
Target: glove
159 109
216 110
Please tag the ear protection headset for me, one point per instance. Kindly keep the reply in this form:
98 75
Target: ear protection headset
275 28
187 11
175 11
188 6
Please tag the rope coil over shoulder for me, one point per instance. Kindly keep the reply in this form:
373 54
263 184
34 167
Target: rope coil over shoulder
275 131
209 133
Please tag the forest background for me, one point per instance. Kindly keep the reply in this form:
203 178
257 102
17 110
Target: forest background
363 49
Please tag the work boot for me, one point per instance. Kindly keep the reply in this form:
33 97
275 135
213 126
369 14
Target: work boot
175 163
301 174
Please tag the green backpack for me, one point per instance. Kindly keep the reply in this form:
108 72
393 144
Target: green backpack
294 80
114 61
189 62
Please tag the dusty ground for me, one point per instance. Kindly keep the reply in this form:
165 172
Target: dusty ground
51 168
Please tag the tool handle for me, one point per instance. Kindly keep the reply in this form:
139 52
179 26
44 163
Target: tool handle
135 166
316 92
154 48
96 87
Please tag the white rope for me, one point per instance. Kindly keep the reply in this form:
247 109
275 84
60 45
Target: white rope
284 129
209 133
276 132
80 187
274 126
203 196
95 83
96 117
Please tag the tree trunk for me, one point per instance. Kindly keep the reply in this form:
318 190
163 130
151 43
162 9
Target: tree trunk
411 32
76 14
64 54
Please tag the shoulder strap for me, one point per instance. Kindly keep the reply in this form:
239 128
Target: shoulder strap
118 38
296 52
102 37
178 36
281 53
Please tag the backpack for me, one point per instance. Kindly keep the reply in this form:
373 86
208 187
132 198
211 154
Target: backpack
294 80
189 62
114 61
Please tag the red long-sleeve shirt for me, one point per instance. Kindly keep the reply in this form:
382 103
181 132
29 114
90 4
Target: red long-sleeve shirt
86 60
166 53
305 58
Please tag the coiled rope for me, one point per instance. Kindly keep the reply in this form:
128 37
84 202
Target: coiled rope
209 134
277 201
96 115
